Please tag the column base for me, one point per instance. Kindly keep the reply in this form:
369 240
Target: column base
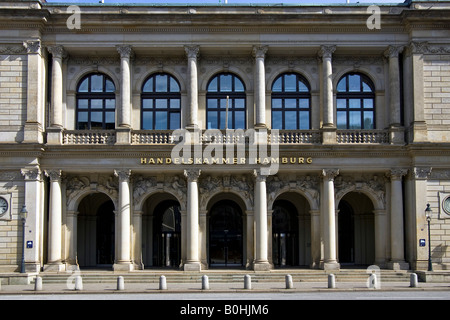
262 266
123 136
55 136
56 267
331 266
397 135
192 266
398 265
123 266
329 134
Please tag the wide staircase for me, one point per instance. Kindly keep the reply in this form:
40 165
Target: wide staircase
224 276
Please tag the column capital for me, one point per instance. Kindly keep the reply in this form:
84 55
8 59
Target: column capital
31 173
123 175
192 51
259 176
54 175
396 173
330 174
259 51
32 46
326 51
57 52
393 51
192 175
125 51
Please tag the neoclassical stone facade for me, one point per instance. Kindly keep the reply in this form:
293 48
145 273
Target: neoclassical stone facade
113 136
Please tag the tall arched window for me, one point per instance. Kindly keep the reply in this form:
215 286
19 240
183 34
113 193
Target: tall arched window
225 102
96 102
161 103
291 102
355 99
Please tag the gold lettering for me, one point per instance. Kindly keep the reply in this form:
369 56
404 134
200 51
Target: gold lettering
235 160
225 160
168 160
242 160
275 160
284 160
176 160
309 160
159 161
198 160
301 160
151 161
143 160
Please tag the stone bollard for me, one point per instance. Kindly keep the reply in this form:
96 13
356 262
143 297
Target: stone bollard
331 281
289 283
373 282
38 284
162 283
413 281
78 283
247 282
205 282
120 283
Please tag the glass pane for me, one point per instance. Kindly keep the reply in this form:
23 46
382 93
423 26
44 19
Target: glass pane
110 87
276 103
147 103
368 103
110 103
239 121
304 120
175 104
148 86
290 120
239 103
302 87
354 103
213 85
342 85
223 119
277 85
110 117
223 103
366 87
290 103
277 120
368 120
83 103
82 117
175 121
341 120
147 120
304 103
290 83
225 83
212 120
97 104
174 87
96 83
96 120
84 86
161 103
160 120
212 103
341 103
354 83
355 120
238 85
161 83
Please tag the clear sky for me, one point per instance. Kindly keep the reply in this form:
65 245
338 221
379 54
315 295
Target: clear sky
231 2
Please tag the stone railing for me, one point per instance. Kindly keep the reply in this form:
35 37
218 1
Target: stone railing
152 137
295 137
362 136
96 137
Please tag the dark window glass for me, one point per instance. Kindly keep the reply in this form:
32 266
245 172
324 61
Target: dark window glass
291 100
96 103
355 102
161 103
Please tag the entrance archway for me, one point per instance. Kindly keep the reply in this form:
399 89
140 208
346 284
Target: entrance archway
356 230
284 234
225 235
96 231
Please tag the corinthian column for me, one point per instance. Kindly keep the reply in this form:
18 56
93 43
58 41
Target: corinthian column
259 52
123 134
397 227
192 253
329 220
261 262
55 221
192 55
123 259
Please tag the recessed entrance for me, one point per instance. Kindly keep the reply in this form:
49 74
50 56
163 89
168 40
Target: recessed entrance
225 235
284 234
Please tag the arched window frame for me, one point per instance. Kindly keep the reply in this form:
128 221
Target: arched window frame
216 100
161 106
354 105
291 102
93 103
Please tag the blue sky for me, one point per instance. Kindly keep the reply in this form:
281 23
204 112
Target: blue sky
231 2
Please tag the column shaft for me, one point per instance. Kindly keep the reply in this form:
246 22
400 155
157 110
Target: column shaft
192 253
56 114
261 262
259 53
326 53
329 219
125 89
192 55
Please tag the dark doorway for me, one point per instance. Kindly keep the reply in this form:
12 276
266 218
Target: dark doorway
225 235
284 234
105 234
346 225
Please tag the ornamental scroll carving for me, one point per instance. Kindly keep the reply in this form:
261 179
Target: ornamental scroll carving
78 185
372 184
143 186
308 185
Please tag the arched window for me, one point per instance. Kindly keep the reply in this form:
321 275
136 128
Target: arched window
225 102
355 99
161 103
96 102
291 102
